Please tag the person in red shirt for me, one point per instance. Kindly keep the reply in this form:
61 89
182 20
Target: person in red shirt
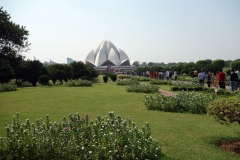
221 79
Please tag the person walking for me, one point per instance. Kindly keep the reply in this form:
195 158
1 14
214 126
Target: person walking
175 75
233 80
201 77
209 78
222 79
238 73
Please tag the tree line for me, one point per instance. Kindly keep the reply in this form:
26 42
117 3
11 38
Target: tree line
14 41
189 68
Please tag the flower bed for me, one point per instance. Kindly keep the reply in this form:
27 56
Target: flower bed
79 138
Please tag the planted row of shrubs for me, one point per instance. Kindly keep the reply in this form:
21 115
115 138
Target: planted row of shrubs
6 87
128 82
110 137
143 88
160 82
183 102
78 83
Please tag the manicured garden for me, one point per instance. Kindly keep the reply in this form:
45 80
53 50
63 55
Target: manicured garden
180 135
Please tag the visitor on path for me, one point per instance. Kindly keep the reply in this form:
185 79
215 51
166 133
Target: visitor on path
167 75
175 75
222 79
209 78
201 77
238 73
170 75
164 75
233 80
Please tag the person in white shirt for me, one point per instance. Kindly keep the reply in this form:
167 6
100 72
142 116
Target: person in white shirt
175 75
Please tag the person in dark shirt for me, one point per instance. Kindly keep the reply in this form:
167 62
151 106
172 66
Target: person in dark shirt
209 79
233 80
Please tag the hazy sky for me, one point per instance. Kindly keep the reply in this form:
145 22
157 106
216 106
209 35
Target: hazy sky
147 30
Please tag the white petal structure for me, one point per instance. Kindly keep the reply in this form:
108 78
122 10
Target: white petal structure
107 54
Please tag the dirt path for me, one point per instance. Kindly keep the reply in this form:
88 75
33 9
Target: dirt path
166 93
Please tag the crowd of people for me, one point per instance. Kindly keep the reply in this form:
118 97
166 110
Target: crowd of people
168 75
218 79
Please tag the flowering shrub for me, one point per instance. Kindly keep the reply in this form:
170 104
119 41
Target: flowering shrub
144 88
78 83
144 78
161 82
123 77
186 86
183 102
79 138
128 82
6 87
225 110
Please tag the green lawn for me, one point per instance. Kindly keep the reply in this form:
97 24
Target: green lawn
182 136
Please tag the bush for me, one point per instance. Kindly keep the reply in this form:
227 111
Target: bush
78 138
183 102
84 78
105 79
113 77
161 82
78 83
225 110
124 77
128 82
6 87
142 88
43 80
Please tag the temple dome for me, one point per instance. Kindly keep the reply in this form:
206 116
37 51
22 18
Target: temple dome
106 54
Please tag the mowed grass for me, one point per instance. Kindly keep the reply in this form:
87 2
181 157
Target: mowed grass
181 135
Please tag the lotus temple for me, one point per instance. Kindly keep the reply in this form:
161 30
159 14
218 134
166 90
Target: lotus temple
106 57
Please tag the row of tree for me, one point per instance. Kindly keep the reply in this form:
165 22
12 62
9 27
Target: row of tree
189 68
162 64
14 41
30 71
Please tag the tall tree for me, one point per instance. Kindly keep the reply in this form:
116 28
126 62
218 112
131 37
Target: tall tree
6 71
219 62
79 69
34 69
13 40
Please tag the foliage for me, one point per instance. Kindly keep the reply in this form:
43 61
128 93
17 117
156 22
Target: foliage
235 64
6 71
13 41
34 69
78 83
183 102
128 82
160 82
124 77
143 88
79 69
60 72
186 86
219 62
225 110
105 79
84 78
6 87
43 79
113 77
79 138
144 78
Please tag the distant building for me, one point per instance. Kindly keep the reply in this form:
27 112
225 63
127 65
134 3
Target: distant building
45 63
106 57
69 60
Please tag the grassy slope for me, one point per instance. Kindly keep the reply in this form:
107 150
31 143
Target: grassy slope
182 136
